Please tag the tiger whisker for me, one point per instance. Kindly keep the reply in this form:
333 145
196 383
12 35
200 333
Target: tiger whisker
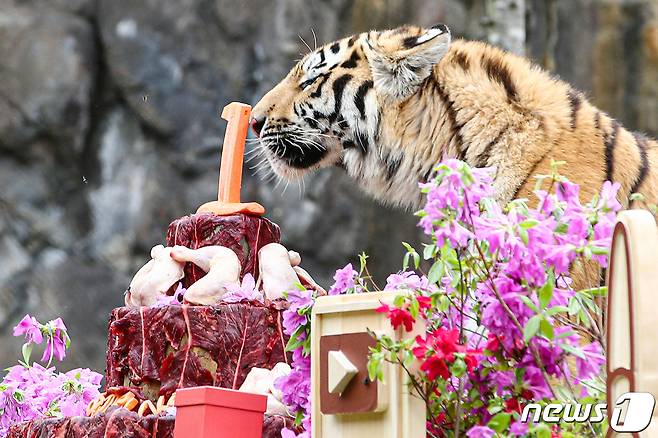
315 39
307 46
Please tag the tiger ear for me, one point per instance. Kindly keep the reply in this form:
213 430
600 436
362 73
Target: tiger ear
401 59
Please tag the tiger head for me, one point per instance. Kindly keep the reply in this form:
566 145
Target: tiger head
327 110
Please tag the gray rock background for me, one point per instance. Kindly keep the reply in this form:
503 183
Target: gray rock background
109 128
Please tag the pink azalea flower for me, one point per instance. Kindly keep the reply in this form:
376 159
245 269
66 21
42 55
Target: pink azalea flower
519 428
480 432
568 192
169 300
408 280
31 328
608 200
591 365
57 340
344 280
244 292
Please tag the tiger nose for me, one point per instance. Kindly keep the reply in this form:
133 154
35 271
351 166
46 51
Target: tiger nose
257 124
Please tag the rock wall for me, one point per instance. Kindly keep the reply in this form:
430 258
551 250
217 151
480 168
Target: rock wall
109 129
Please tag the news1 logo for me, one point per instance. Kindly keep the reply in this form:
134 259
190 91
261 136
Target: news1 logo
634 416
631 413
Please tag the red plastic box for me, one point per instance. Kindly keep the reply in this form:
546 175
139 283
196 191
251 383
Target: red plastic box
208 411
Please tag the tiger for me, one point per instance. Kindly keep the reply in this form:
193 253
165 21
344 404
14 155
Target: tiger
387 106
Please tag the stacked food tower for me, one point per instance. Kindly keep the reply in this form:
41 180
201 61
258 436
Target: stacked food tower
205 311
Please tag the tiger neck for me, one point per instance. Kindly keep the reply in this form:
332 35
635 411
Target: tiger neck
412 137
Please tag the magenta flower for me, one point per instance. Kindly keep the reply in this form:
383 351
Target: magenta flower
568 192
344 280
480 432
31 328
591 365
519 428
409 280
169 300
35 391
495 259
57 341
535 382
608 200
245 292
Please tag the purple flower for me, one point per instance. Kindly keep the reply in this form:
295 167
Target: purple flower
79 388
299 301
518 428
591 365
535 382
503 381
287 433
34 392
169 300
453 232
408 280
296 388
560 257
245 292
480 432
31 328
568 192
57 340
344 280
608 200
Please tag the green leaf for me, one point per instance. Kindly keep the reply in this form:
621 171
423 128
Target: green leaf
595 291
573 350
523 233
458 367
545 293
428 251
19 396
408 247
294 342
375 370
436 272
561 228
528 223
556 309
636 197
574 306
398 301
531 327
299 417
414 307
542 431
546 329
500 422
599 250
411 252
27 352
362 262
444 303
405 261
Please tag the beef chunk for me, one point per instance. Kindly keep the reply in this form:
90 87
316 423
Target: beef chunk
160 349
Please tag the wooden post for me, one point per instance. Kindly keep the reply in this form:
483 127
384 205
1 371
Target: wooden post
230 172
632 350
345 402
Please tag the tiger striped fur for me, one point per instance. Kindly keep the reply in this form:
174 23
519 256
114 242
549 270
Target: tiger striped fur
386 106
